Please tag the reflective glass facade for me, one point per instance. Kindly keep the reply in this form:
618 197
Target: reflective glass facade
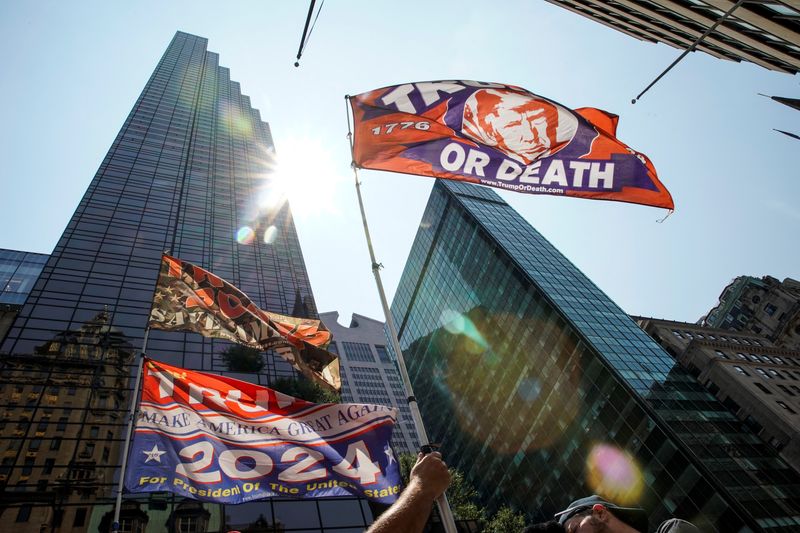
542 390
183 175
18 272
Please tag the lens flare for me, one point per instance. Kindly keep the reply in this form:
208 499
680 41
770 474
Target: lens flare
476 359
614 474
458 324
270 234
236 121
245 235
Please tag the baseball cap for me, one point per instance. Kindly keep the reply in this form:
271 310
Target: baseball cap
633 516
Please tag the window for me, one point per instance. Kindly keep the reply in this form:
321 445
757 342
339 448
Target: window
188 524
131 525
741 356
770 309
383 355
58 517
722 354
783 404
24 513
358 351
80 517
5 466
741 370
762 388
48 466
763 374
55 444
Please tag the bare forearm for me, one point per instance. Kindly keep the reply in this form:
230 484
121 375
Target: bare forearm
408 514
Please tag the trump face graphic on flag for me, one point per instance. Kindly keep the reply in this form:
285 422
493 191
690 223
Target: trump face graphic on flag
524 127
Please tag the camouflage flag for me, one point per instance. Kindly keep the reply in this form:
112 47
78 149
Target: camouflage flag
189 298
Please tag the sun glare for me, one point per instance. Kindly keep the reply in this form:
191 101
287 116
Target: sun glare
305 175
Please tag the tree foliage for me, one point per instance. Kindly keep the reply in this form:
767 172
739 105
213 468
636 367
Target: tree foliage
505 520
306 390
240 358
406 461
463 498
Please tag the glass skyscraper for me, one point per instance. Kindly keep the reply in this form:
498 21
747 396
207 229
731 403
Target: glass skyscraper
18 272
542 390
183 175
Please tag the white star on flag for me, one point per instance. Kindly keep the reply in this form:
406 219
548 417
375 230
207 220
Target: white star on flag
388 451
154 454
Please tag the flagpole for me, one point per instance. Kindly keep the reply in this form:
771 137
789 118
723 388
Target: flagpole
444 508
691 48
131 421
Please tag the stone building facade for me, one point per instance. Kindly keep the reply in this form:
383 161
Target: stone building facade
758 381
764 306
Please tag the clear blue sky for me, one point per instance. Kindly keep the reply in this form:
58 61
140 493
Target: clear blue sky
72 71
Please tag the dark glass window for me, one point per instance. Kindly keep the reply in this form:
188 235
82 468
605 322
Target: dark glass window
80 517
358 351
24 513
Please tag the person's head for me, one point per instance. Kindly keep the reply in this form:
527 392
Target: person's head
523 127
593 514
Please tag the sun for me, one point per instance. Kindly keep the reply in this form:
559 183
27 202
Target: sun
304 174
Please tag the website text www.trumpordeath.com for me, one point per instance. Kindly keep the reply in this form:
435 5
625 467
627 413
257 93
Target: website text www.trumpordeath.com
527 188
